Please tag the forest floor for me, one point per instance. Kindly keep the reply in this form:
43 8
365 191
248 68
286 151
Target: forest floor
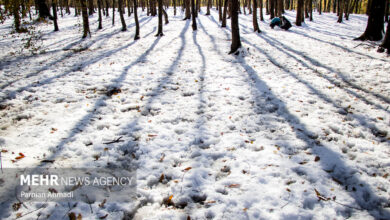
296 126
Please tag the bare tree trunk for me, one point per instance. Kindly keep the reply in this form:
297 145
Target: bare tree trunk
165 17
340 2
84 13
54 7
120 9
261 11
224 14
236 41
99 2
254 17
375 22
298 21
136 36
208 7
193 10
220 9
90 7
160 14
15 12
113 12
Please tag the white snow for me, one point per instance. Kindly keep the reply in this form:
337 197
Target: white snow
297 111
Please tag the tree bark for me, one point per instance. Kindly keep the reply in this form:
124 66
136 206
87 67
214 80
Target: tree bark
254 17
15 12
236 41
298 21
136 36
100 13
90 7
54 7
160 14
224 13
375 22
193 10
43 9
84 13
120 9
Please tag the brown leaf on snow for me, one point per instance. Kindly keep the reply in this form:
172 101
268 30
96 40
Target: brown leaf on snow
101 205
234 186
21 155
72 216
4 151
187 169
52 190
79 217
317 159
161 178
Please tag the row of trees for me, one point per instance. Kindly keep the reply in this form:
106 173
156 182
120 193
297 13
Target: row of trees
377 10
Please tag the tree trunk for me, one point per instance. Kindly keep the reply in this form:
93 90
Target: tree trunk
340 2
236 41
272 8
208 7
165 17
84 13
90 7
160 14
15 12
113 12
375 22
43 9
220 9
224 14
311 9
136 36
261 11
386 42
193 10
54 7
298 21
99 2
188 11
174 7
120 9
254 17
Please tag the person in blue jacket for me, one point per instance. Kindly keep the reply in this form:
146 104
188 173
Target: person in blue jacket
282 22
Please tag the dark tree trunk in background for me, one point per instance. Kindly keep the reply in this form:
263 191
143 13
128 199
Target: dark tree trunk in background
120 9
113 12
220 10
84 13
375 22
299 19
160 14
224 13
272 8
136 36
107 5
193 11
54 7
174 7
43 9
261 11
15 12
188 11
90 7
386 42
340 12
254 17
311 9
236 41
208 7
165 17
99 2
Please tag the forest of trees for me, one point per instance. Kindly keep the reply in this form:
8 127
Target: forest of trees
377 10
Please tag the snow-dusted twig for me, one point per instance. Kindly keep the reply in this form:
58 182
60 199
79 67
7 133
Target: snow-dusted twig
42 206
115 141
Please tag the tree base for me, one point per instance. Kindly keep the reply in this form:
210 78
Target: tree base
159 35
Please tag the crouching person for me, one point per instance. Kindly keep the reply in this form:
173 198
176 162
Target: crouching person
281 22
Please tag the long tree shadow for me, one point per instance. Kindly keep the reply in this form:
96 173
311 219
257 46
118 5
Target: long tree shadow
131 146
82 123
364 196
295 31
61 59
314 62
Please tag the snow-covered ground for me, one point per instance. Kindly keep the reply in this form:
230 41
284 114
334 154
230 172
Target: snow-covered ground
295 127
